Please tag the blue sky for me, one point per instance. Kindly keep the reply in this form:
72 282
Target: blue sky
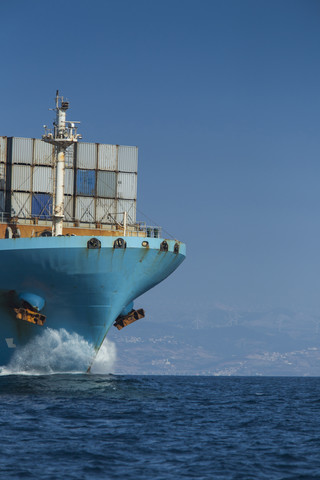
222 99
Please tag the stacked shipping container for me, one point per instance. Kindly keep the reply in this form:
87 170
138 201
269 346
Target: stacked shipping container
3 162
100 181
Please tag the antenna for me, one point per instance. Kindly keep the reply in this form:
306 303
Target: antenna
63 134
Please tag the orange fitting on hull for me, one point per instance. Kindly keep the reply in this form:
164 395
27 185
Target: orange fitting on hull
133 316
30 316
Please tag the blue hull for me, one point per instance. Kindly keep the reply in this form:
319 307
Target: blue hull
84 289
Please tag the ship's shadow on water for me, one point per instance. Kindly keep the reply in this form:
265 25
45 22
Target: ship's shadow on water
58 351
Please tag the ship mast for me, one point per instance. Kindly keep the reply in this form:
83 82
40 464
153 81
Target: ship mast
62 136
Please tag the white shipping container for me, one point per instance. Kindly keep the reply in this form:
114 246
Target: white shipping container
127 159
128 206
21 205
42 179
106 210
21 178
127 186
69 181
68 208
69 157
106 184
87 155
3 149
107 157
2 176
43 153
22 150
85 209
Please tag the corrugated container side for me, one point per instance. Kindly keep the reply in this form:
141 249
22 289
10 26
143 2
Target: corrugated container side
69 181
127 185
43 153
106 210
21 178
3 149
86 182
127 159
2 176
2 202
128 206
87 155
68 208
21 205
106 184
85 209
41 205
69 157
107 157
42 179
22 150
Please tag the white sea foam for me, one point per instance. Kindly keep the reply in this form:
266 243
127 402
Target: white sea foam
57 351
106 358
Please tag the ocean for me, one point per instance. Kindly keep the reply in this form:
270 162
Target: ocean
93 426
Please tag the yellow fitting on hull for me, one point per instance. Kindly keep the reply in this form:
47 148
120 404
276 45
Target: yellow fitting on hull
30 316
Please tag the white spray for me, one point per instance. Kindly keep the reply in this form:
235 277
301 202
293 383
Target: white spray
57 351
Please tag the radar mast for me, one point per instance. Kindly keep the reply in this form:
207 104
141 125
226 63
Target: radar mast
63 134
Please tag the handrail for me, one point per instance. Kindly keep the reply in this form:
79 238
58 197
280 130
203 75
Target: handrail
152 231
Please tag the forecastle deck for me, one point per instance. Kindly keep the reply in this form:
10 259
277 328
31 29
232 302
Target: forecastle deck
32 229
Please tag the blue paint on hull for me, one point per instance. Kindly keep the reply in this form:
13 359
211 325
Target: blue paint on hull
84 289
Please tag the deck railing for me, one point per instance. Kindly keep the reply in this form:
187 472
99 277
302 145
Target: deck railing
130 230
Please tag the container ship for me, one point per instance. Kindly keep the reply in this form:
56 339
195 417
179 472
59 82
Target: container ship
72 254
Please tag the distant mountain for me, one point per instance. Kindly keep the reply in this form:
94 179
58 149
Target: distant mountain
224 341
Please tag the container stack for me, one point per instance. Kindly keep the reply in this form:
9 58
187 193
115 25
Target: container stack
3 161
100 181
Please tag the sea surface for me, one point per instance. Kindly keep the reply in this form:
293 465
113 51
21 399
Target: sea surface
82 426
